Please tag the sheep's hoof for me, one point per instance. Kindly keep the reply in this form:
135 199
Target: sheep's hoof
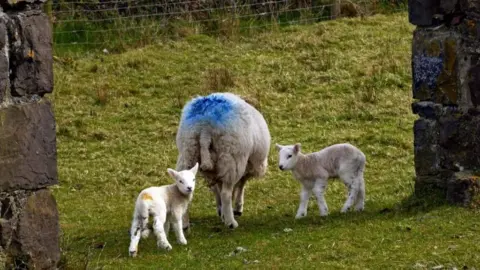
219 212
133 253
237 213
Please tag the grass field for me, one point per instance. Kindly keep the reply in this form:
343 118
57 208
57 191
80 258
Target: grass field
339 81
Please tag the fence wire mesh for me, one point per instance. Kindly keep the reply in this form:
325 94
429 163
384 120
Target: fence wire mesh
112 23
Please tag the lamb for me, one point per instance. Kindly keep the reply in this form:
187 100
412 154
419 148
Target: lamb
344 161
231 141
167 205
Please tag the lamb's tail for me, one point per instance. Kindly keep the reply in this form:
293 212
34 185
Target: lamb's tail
206 163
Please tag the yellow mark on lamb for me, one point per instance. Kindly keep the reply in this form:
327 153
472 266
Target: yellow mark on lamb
147 197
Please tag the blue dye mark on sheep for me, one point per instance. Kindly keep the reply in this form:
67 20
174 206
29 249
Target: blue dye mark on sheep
426 70
214 109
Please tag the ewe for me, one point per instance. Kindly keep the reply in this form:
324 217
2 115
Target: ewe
344 161
230 140
167 205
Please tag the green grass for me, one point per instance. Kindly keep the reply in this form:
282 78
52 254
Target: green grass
339 81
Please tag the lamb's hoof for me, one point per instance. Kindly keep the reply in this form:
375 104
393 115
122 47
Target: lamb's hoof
359 208
182 242
300 216
232 225
167 247
237 213
133 253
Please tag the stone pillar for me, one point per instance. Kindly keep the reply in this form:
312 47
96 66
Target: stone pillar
29 229
446 89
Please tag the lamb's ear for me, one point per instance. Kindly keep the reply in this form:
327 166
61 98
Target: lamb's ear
296 148
172 173
194 169
278 146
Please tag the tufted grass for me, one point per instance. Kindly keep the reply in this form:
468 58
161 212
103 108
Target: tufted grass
338 81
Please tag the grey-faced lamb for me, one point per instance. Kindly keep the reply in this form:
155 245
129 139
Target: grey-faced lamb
166 204
230 139
344 161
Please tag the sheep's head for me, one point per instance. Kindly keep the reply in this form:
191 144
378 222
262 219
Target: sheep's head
185 180
287 156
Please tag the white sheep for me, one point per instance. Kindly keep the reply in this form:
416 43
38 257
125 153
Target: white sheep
344 161
166 204
230 139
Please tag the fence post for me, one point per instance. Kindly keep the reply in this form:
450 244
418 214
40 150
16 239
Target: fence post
336 9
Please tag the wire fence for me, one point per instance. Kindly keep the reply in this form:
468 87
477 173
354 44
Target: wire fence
119 23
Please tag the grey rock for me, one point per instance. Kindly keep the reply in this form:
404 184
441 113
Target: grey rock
31 53
464 189
435 65
421 12
29 230
27 147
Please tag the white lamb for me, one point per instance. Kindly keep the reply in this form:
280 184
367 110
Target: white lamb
167 205
344 161
230 139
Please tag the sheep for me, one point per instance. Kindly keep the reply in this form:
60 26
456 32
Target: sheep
167 205
344 161
231 141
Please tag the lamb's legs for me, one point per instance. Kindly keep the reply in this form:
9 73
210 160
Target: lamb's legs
239 192
319 190
360 203
227 211
304 196
144 226
185 221
177 228
159 230
353 188
166 227
135 232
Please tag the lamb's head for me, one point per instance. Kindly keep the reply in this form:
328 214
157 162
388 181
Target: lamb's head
287 156
185 180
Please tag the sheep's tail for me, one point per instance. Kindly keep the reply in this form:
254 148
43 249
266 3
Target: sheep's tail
206 163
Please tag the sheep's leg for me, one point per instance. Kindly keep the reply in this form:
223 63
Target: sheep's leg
159 230
178 228
360 203
135 232
216 190
239 192
304 196
226 198
319 191
353 188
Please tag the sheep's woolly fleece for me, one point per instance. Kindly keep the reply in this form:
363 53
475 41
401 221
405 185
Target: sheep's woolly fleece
218 110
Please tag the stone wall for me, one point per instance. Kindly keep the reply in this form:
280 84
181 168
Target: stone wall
29 229
446 89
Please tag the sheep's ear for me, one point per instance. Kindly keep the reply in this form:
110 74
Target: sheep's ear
194 169
296 148
172 173
278 146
